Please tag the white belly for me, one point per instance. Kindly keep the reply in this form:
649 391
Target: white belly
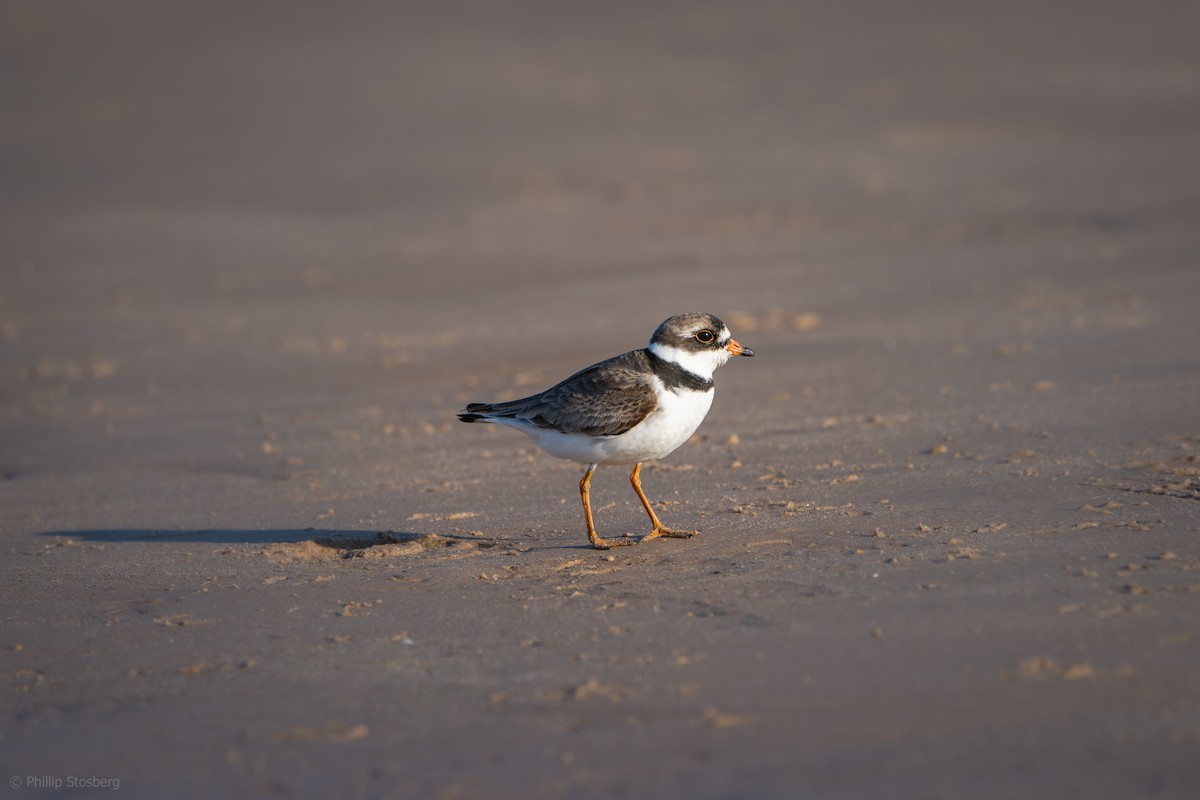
659 434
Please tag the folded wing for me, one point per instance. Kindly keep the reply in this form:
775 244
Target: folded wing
605 399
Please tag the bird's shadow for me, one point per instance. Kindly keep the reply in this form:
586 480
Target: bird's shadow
335 538
241 535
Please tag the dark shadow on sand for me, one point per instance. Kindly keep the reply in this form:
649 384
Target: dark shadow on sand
245 536
340 539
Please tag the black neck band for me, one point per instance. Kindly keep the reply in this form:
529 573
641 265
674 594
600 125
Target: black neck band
674 376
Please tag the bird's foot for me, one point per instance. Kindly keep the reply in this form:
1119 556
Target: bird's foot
608 544
668 533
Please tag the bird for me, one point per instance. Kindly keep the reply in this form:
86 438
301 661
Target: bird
628 409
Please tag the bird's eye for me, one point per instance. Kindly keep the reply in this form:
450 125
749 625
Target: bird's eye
705 336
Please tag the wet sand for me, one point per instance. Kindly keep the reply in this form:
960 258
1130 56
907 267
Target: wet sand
256 258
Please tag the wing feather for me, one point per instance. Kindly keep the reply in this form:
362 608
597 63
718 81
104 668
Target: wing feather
606 399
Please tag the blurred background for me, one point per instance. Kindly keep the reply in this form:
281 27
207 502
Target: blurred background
218 208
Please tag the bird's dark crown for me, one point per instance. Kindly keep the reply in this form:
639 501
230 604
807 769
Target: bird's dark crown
680 331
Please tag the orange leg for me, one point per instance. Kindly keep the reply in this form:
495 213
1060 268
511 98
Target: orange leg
659 529
586 494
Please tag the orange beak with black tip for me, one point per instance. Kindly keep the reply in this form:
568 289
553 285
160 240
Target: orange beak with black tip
736 349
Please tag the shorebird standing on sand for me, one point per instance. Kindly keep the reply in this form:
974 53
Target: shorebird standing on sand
631 408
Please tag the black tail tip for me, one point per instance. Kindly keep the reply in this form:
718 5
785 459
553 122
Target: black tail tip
475 412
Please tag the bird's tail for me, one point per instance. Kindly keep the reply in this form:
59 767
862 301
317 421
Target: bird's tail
475 412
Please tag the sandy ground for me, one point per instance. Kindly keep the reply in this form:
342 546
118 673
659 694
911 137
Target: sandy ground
256 256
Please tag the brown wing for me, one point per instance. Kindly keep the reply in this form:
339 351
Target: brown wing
605 399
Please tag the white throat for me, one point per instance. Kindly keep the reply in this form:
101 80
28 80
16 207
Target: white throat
702 364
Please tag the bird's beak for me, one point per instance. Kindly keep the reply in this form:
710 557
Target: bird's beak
737 350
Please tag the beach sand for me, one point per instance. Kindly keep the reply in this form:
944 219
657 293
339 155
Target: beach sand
256 258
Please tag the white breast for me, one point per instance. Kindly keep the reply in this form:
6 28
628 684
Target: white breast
659 434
